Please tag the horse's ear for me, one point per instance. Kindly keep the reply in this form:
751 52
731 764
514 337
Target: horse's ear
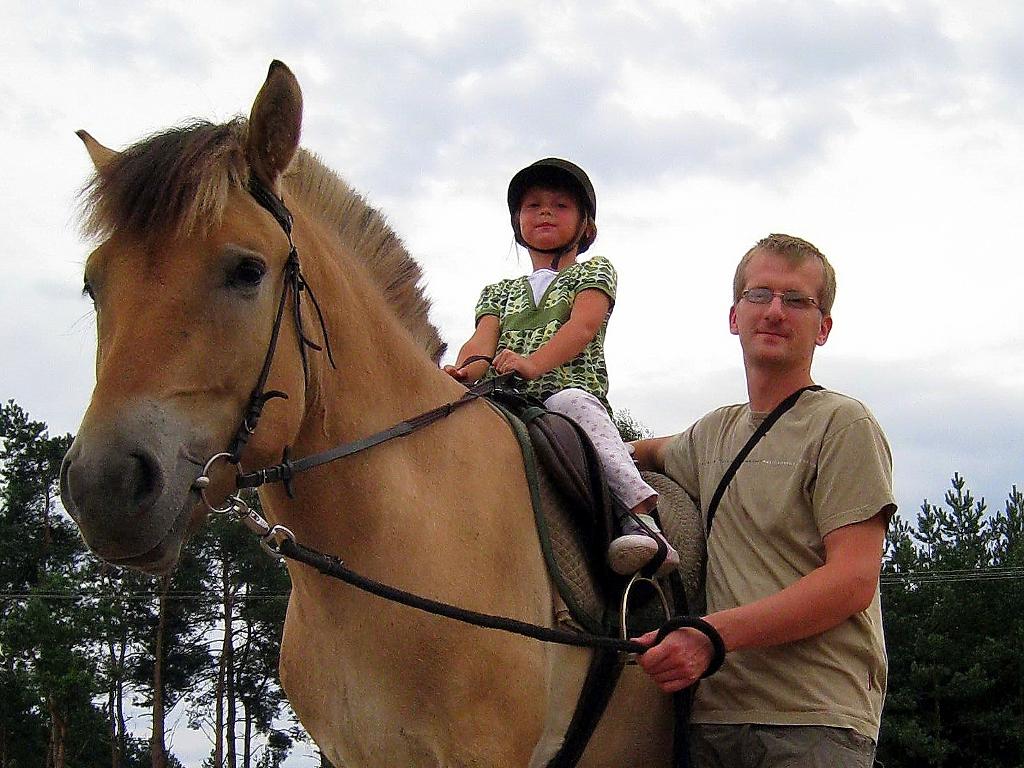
274 125
99 154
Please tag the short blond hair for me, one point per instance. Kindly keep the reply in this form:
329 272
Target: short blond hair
796 251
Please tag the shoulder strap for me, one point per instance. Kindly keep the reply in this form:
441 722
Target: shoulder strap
755 438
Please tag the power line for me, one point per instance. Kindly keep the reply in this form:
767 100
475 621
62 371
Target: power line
953 576
139 596
1012 573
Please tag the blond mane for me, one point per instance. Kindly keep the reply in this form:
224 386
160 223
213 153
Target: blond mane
366 231
176 184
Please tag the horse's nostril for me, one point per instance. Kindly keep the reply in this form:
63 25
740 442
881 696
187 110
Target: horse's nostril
66 495
125 481
145 483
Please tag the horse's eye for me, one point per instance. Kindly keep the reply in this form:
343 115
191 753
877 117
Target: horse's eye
87 290
247 273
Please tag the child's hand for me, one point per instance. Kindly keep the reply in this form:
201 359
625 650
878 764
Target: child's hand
456 373
508 361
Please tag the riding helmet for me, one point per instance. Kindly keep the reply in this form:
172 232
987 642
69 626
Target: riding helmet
561 174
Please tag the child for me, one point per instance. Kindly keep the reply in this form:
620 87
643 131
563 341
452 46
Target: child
549 328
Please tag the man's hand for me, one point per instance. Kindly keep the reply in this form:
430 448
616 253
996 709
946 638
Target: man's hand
649 453
678 661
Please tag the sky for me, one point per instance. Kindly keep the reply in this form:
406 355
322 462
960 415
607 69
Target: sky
890 133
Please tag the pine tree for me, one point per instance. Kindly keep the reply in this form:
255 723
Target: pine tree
1006 648
249 590
47 627
175 655
260 620
954 693
124 611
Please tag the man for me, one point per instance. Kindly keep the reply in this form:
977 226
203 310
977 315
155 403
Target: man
795 547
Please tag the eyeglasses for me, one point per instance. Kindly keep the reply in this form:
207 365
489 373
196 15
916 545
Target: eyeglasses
790 299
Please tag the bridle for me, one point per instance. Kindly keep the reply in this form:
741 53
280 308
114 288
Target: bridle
295 284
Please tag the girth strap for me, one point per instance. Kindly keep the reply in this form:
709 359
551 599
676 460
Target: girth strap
598 687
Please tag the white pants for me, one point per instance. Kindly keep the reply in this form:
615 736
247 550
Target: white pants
624 480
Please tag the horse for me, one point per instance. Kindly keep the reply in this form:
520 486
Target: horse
189 284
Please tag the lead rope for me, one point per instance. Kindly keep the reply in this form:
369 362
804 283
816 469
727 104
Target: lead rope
280 542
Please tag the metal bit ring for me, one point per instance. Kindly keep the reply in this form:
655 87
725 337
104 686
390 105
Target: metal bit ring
202 482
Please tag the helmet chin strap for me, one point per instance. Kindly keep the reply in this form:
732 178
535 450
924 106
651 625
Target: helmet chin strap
554 261
560 251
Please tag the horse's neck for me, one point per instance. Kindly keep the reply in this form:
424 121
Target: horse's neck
381 371
382 376
443 512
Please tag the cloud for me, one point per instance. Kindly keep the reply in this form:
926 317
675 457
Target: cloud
494 88
941 419
937 419
892 129
795 46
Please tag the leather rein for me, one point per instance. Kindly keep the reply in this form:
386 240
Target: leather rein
278 541
295 284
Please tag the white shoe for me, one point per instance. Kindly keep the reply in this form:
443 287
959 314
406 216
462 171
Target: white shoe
637 546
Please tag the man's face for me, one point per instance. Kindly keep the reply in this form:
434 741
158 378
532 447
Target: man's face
774 335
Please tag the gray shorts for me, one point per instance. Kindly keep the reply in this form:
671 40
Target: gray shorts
779 746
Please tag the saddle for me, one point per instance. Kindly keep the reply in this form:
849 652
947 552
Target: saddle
577 519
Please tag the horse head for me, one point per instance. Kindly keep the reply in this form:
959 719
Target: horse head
186 282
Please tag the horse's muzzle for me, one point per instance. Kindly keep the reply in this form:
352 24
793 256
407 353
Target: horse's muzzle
127 482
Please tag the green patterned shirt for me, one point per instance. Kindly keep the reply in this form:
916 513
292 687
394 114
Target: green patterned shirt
526 326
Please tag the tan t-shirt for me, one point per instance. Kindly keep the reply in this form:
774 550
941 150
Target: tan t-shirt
824 464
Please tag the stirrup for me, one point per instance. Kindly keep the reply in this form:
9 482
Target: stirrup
624 607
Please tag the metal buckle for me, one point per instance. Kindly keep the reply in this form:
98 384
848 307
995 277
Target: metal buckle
270 536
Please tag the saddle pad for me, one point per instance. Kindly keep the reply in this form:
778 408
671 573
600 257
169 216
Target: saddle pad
590 608
683 526
577 586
